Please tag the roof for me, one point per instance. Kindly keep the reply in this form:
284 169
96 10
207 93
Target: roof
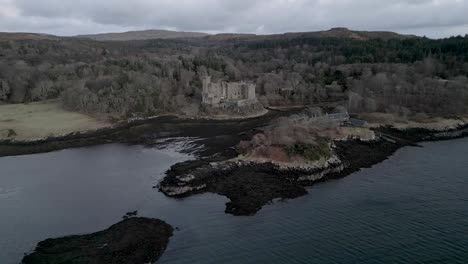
357 122
338 116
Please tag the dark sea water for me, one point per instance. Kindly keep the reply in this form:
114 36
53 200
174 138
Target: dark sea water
412 208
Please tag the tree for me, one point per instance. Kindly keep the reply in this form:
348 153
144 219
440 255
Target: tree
232 72
43 90
4 90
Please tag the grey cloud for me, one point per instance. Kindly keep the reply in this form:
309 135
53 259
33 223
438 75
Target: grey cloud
435 18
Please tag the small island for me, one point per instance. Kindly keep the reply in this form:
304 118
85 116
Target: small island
133 240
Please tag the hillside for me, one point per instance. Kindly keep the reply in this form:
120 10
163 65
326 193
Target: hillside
383 71
166 34
340 33
15 36
143 35
346 34
362 35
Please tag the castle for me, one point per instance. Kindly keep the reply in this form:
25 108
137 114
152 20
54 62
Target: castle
228 95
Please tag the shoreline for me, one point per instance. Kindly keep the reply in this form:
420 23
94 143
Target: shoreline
251 185
248 184
145 131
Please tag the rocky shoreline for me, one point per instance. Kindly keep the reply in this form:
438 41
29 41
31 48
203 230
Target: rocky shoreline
251 185
133 240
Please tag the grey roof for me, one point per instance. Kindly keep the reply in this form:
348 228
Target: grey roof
338 116
357 122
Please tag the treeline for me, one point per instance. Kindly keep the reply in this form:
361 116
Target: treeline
408 89
349 50
158 76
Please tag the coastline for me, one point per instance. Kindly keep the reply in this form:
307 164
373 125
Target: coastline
248 184
146 131
251 185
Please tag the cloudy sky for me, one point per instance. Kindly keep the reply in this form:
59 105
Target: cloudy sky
433 18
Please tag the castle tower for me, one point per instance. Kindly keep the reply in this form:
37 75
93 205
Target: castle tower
206 80
251 91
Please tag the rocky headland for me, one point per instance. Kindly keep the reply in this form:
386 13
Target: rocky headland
252 184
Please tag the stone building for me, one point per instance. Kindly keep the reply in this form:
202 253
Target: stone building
223 94
231 98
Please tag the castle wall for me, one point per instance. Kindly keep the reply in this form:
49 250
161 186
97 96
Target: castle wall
251 92
233 91
228 95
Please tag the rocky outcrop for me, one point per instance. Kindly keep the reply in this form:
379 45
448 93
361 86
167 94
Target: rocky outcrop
134 240
424 134
456 133
249 185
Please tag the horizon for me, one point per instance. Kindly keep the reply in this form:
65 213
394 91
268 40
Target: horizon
431 18
220 32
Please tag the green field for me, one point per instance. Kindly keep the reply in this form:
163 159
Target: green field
43 119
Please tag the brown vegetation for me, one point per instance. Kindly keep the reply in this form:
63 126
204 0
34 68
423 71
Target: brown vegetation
290 140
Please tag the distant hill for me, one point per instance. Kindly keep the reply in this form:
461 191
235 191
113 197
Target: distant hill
143 35
342 33
230 36
166 34
346 33
7 36
364 35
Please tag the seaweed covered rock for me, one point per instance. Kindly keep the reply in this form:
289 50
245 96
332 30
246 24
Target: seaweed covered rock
134 240
248 185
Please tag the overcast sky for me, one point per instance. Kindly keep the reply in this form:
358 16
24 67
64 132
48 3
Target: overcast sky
433 18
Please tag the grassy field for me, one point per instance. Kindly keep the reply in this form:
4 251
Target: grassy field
43 119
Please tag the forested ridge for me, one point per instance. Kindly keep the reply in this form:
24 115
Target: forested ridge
403 76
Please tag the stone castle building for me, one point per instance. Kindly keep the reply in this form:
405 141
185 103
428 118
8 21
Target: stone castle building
223 94
232 98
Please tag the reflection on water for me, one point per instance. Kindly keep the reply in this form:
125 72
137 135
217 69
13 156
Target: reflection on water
411 208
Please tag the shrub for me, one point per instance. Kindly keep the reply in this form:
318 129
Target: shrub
11 133
310 152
